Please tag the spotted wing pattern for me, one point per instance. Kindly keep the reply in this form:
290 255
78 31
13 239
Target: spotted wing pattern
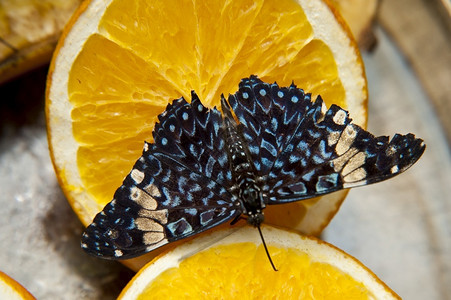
177 188
183 183
302 150
268 117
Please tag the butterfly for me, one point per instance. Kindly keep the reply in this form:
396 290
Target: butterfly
270 145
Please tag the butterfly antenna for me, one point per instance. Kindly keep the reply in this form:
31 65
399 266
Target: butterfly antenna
266 248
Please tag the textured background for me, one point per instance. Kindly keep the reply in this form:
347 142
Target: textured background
400 228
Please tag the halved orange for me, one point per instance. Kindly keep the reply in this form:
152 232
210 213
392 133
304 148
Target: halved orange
232 264
120 62
12 290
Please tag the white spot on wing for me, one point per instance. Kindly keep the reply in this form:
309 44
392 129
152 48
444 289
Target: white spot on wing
142 198
323 112
160 215
151 238
346 139
146 224
356 175
118 253
355 162
394 169
340 117
340 161
137 176
333 137
390 150
152 190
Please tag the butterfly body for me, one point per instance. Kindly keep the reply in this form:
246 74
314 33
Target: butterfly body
270 145
248 192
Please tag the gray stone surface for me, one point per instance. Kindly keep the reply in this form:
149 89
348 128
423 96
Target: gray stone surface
400 228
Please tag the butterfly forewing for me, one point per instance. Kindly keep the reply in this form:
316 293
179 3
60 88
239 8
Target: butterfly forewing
193 135
177 188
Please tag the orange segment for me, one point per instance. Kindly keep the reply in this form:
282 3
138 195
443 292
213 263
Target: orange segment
120 62
160 32
231 264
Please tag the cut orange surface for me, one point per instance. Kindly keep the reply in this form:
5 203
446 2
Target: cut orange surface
12 290
232 264
120 62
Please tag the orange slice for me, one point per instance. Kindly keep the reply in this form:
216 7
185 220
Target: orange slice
12 290
120 62
232 264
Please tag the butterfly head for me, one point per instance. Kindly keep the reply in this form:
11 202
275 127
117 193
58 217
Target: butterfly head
255 218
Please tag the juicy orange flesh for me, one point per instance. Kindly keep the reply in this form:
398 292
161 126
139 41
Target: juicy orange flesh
140 60
242 271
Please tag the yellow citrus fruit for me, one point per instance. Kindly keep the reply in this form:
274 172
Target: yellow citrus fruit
120 62
232 264
12 290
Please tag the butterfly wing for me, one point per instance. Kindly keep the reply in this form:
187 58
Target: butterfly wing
177 188
328 153
268 117
301 150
